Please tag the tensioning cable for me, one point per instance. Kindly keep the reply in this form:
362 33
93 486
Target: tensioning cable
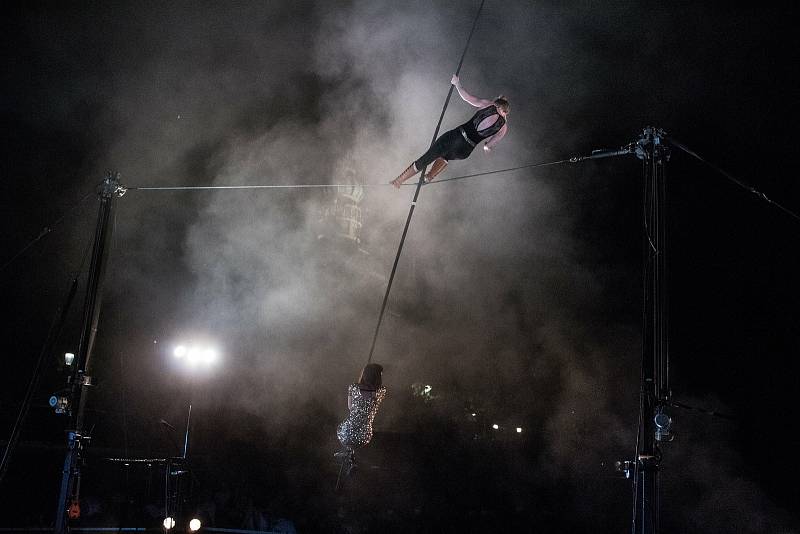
733 179
416 192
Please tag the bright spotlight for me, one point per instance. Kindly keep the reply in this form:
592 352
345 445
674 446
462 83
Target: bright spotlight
169 523
194 525
209 356
69 357
193 355
495 426
519 430
197 355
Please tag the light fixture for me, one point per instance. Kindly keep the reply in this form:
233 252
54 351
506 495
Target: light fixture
69 357
519 430
59 403
169 523
663 426
196 355
495 426
194 525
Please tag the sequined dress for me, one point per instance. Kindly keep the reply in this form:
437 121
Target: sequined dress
356 430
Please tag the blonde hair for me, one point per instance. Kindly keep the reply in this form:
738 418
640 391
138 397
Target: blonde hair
502 103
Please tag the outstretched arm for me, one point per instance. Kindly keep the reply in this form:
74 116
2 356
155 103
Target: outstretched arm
493 140
468 98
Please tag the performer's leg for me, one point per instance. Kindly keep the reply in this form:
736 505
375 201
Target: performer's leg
436 150
437 167
405 175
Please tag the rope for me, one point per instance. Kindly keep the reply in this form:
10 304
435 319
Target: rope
310 186
287 186
416 192
730 177
510 169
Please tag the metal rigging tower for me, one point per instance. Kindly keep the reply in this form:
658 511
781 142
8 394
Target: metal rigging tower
654 422
80 379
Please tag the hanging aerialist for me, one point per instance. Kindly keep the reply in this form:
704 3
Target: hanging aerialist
363 400
488 124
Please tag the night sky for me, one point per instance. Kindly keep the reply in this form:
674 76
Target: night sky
518 297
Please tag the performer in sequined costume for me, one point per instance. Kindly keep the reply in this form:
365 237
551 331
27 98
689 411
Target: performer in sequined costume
488 124
363 401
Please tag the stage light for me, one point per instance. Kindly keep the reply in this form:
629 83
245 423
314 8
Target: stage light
69 357
473 414
168 523
194 525
209 356
496 426
519 430
197 355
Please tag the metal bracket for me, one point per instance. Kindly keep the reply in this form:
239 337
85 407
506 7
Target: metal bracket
111 186
654 137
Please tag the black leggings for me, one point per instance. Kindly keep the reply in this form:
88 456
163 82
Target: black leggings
451 145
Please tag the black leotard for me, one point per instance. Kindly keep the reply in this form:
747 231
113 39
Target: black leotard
458 143
471 126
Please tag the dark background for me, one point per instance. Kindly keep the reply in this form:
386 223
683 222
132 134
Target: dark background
518 295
